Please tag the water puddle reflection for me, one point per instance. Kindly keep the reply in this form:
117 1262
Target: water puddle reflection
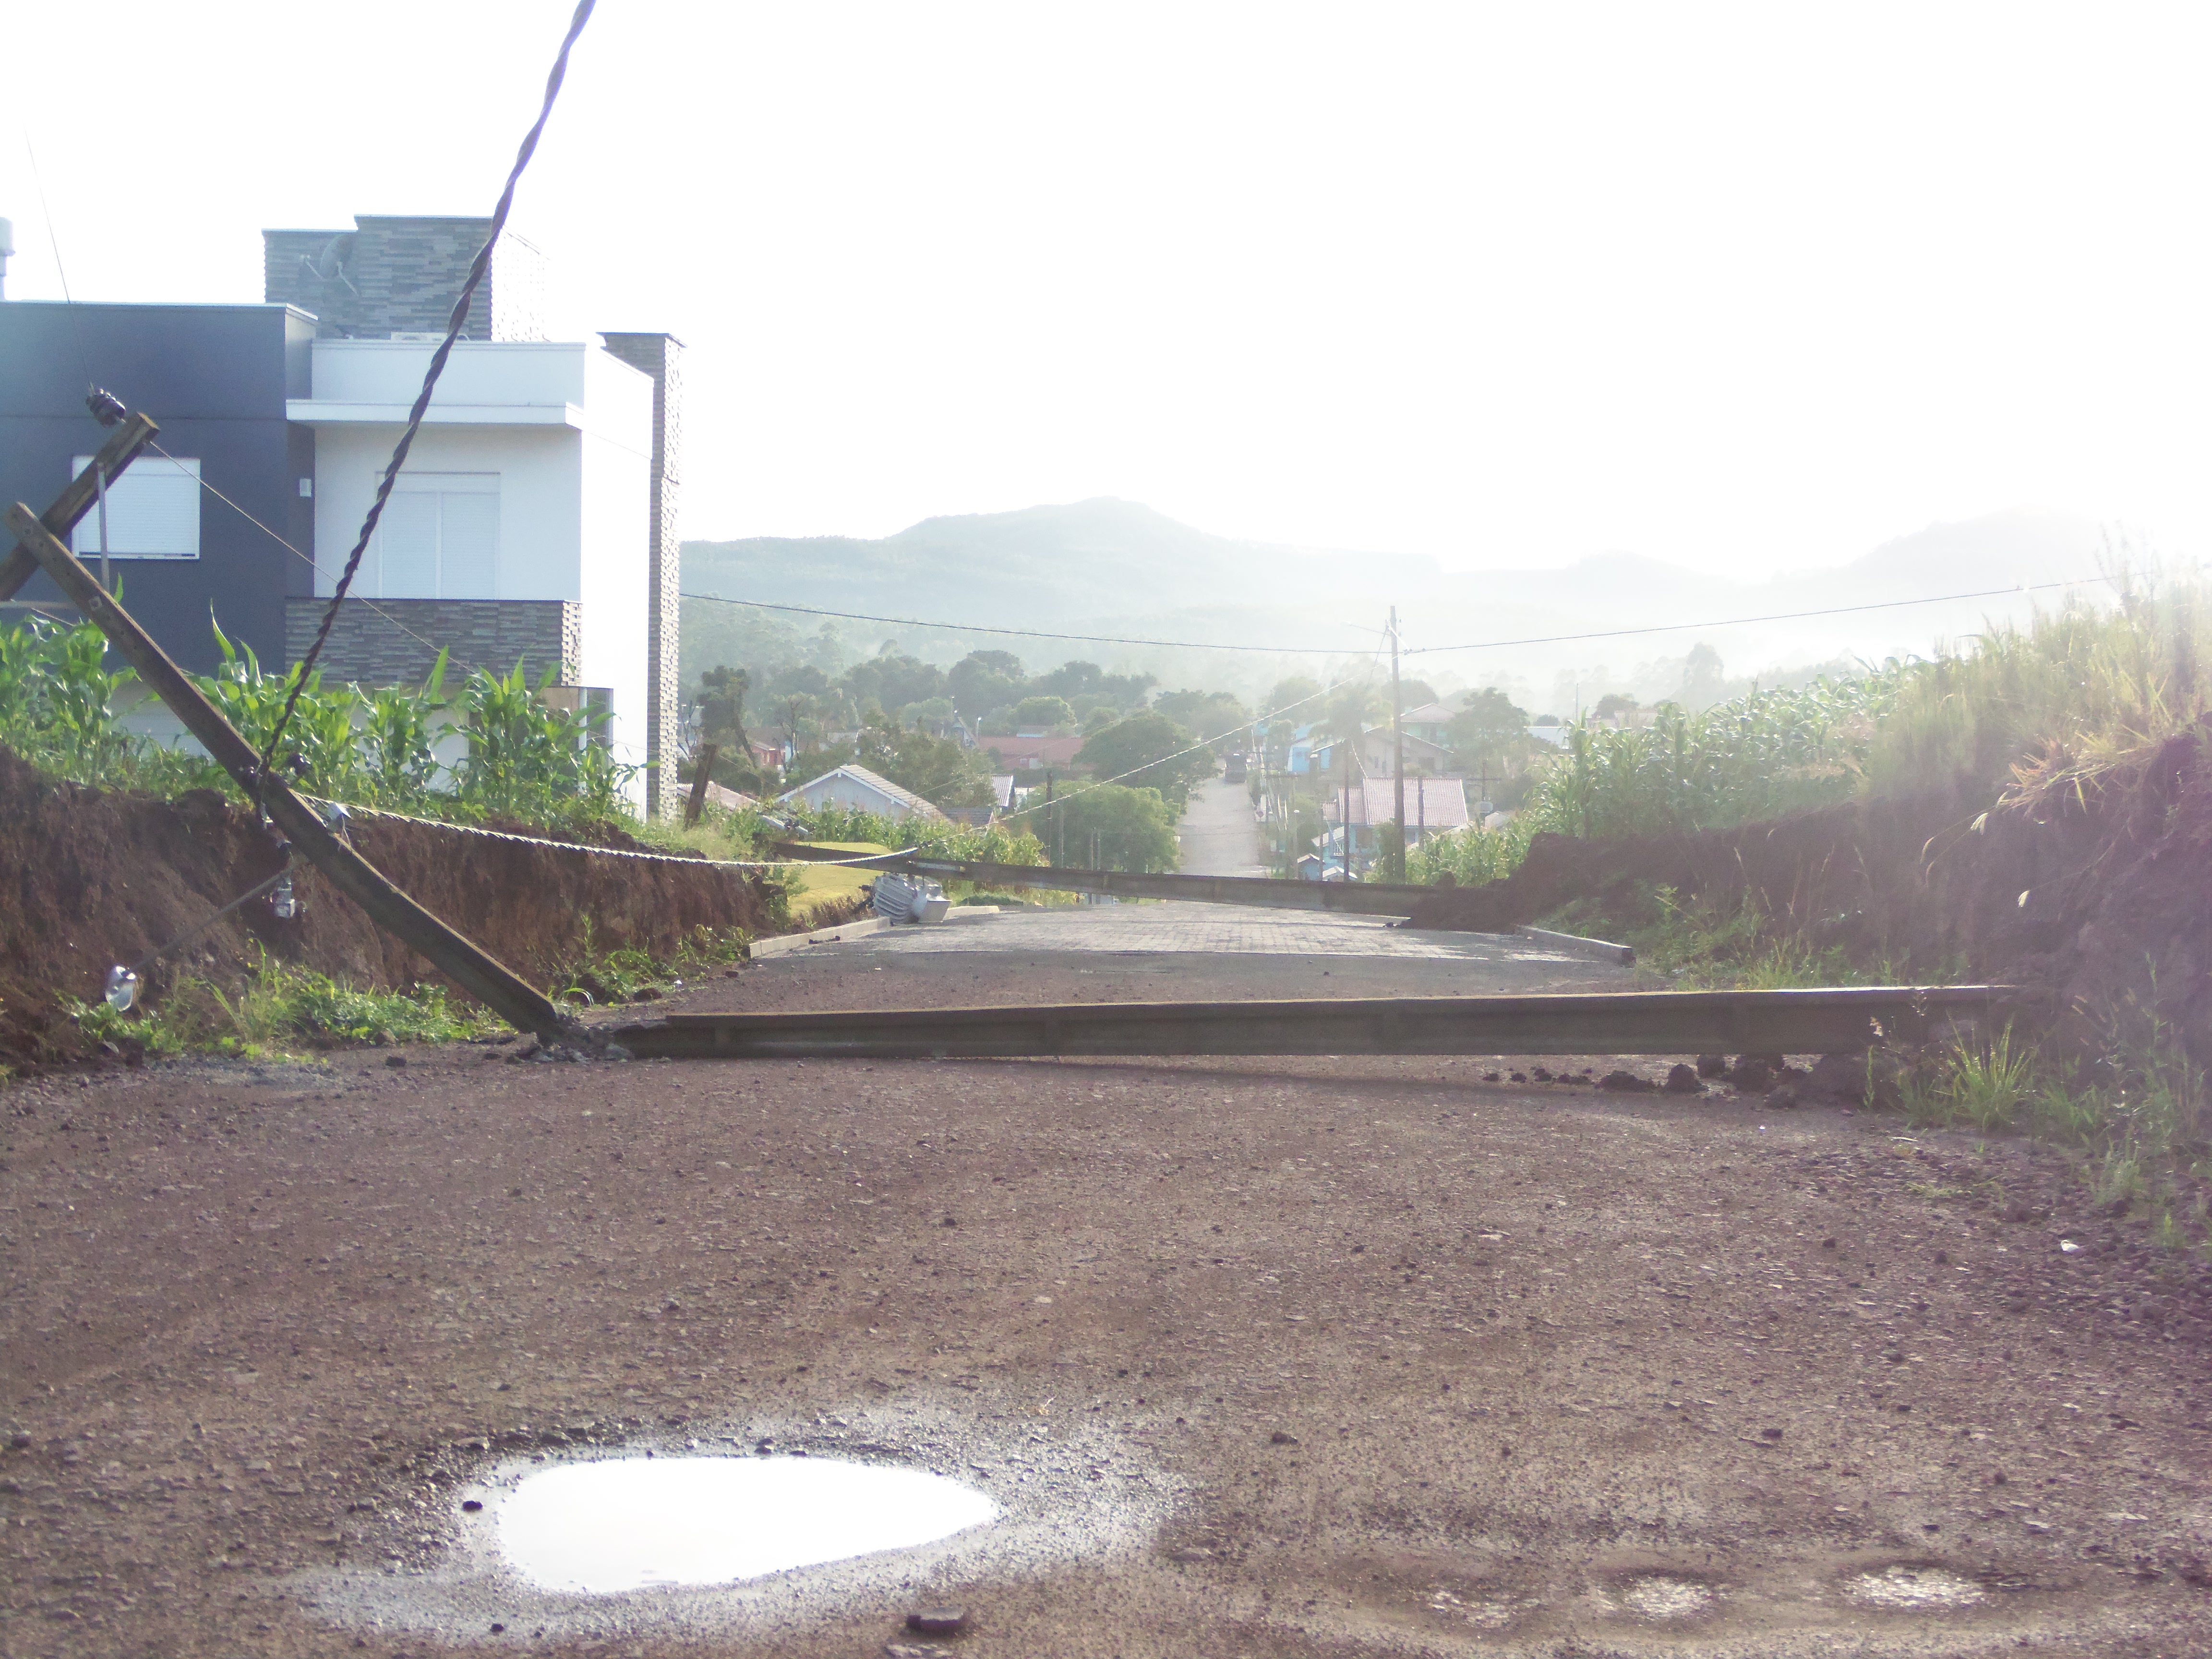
1915 1587
632 1522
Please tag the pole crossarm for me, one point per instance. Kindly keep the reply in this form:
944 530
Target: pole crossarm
1678 1023
78 497
460 958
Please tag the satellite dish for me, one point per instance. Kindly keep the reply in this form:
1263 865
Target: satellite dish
328 265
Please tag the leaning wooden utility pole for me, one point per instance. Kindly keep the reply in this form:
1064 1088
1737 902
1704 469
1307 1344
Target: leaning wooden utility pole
77 499
459 957
1398 751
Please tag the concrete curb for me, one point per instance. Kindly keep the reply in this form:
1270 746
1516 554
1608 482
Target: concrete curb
1598 948
785 944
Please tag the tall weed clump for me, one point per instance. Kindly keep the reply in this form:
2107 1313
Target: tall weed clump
2079 695
1757 756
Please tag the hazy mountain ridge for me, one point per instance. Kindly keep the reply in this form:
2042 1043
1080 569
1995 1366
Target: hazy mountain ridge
1118 568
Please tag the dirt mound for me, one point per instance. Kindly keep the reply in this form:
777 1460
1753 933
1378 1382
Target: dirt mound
2091 904
92 878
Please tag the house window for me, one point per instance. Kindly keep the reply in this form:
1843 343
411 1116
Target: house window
439 537
153 511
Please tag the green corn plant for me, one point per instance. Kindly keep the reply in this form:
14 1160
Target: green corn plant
321 751
399 734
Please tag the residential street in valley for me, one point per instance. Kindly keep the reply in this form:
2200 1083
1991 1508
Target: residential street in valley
1219 835
1271 1357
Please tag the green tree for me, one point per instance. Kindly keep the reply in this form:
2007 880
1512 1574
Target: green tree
1135 830
1295 693
1348 711
1612 705
1087 684
1488 730
892 680
938 770
1042 713
1214 715
984 680
1147 751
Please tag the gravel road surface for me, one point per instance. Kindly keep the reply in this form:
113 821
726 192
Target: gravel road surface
1304 1356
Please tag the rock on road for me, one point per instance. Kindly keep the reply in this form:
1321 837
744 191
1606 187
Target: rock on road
1391 1359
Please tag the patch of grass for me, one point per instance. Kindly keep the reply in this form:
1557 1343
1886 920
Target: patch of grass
280 1008
2137 1116
1983 1084
822 890
606 978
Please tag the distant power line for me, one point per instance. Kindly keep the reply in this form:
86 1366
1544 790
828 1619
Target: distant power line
1022 633
1731 622
1410 650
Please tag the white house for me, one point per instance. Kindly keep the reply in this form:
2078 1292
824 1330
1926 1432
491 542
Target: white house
857 787
535 520
515 531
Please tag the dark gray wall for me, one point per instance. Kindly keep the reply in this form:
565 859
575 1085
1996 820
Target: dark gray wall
215 377
401 273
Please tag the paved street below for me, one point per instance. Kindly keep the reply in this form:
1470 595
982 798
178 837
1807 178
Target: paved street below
1219 835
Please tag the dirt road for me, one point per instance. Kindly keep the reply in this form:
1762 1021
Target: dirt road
1357 1358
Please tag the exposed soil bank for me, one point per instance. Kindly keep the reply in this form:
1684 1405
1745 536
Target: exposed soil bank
2085 903
88 878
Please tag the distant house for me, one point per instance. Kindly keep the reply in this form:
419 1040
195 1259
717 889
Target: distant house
975 817
1378 753
1555 734
1427 722
857 787
1032 754
730 800
1433 806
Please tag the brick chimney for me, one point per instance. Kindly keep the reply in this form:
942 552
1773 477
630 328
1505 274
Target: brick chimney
661 356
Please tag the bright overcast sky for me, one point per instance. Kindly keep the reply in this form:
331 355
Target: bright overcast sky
1506 284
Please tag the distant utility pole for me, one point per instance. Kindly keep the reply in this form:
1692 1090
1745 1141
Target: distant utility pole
1398 759
1347 817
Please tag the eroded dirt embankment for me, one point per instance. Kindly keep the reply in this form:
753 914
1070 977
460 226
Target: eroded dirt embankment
90 877
2086 902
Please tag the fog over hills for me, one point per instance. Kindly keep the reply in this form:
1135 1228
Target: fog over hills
1109 566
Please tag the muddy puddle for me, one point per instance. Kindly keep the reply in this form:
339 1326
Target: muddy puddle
627 1524
725 1528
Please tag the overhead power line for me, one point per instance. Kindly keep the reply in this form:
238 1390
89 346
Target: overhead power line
1021 633
478 272
1410 650
1732 622
1336 684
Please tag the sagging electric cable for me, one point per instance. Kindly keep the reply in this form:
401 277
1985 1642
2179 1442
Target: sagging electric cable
458 320
123 982
1413 651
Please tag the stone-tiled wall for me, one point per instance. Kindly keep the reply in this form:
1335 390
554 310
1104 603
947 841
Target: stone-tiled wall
661 356
400 275
398 646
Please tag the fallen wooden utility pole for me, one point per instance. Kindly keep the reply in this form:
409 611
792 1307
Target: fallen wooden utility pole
454 954
77 497
1679 1023
1357 898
